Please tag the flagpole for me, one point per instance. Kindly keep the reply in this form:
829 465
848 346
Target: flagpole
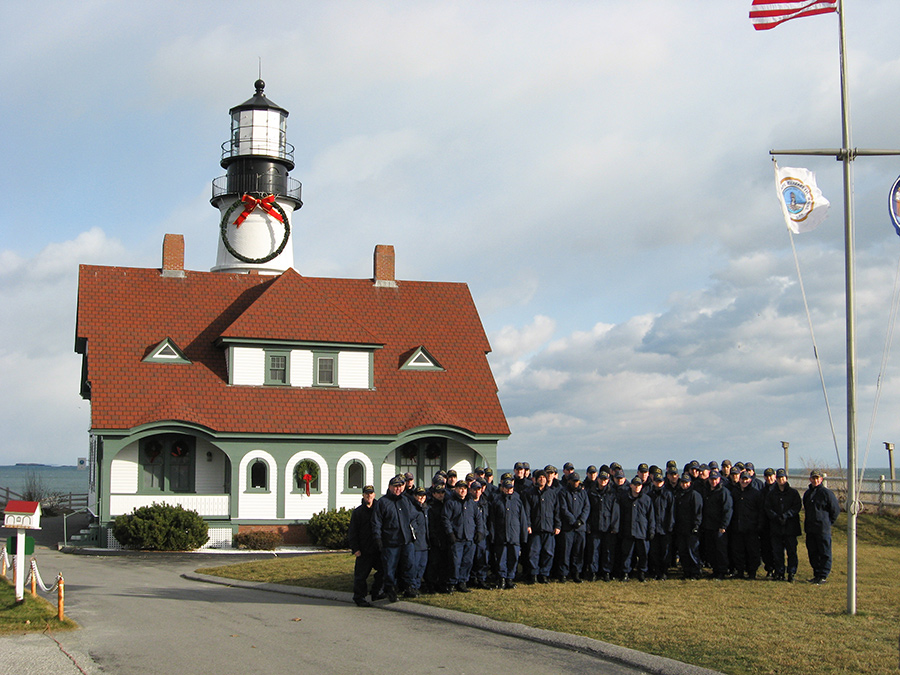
849 273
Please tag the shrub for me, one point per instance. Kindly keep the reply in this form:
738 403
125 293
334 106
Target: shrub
329 528
161 527
258 540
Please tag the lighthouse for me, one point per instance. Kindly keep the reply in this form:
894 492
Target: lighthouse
256 198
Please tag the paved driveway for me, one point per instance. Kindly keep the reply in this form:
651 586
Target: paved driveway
139 615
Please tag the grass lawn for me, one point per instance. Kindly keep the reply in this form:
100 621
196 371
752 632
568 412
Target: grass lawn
735 626
32 616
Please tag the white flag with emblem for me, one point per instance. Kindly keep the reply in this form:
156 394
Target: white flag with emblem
802 202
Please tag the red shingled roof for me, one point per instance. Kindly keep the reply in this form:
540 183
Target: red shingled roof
123 312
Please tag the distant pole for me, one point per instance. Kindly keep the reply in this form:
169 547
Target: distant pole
785 445
890 450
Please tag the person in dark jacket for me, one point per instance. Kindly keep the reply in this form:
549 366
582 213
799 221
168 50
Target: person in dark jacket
717 511
821 509
542 506
480 566
782 507
508 527
574 511
437 571
392 532
743 533
420 527
664 512
638 527
362 545
765 536
461 520
688 519
603 527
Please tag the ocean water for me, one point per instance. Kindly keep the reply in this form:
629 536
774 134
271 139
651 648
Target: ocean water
64 479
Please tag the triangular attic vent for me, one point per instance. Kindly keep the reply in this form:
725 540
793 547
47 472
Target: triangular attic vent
166 352
420 359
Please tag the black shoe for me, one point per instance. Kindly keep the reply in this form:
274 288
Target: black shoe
378 596
790 577
391 594
624 577
532 580
640 576
605 577
820 581
592 577
510 584
462 588
576 579
561 580
410 593
543 580
362 602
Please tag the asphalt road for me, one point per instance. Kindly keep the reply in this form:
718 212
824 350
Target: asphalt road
139 615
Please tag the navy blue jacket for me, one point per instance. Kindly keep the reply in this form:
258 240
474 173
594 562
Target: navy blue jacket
543 509
359 536
636 514
508 520
604 515
748 510
663 509
574 508
717 508
461 518
391 518
783 511
688 511
822 509
419 522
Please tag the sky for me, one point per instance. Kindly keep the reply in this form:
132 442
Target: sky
597 172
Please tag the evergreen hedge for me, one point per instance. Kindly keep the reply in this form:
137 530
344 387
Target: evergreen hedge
161 527
329 528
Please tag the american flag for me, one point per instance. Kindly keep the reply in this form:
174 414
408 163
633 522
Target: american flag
766 14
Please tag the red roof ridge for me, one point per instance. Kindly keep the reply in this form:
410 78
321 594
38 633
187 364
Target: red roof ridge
291 308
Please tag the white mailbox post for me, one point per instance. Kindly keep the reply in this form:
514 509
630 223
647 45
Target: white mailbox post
21 516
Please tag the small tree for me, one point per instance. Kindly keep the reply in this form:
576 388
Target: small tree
329 528
161 527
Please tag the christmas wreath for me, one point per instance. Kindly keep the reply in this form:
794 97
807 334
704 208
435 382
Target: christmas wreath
307 471
267 204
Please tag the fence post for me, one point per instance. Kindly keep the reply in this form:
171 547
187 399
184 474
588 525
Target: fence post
881 487
61 597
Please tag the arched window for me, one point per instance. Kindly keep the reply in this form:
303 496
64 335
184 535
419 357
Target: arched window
259 475
356 475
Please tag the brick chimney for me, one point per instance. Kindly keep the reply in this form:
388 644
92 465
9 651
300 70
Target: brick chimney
384 266
173 255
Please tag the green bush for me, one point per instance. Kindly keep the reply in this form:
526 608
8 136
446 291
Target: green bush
329 528
258 540
161 527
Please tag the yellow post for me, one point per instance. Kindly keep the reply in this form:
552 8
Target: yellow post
61 597
3 565
33 581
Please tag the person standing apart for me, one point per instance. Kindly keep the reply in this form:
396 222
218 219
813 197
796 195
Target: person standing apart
821 508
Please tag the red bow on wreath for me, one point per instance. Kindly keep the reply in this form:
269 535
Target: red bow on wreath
251 203
307 478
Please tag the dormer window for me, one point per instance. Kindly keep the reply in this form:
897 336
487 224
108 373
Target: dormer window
277 367
326 370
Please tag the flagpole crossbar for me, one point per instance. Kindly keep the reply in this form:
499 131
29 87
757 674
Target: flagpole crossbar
839 153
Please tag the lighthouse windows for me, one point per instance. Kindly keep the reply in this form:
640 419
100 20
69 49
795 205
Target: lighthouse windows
259 132
277 371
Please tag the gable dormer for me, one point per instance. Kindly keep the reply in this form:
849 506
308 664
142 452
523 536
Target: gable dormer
166 352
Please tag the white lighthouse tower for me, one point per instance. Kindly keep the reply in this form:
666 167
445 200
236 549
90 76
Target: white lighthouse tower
256 198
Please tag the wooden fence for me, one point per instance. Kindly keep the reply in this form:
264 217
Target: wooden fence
58 500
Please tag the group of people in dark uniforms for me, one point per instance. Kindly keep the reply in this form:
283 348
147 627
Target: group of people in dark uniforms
536 527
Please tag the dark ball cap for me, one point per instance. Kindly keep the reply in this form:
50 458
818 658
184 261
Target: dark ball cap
591 469
397 480
769 472
451 473
507 483
642 468
781 473
368 490
815 473
568 466
420 492
745 475
749 466
671 464
685 477
527 466
636 481
603 475
489 472
540 472
518 466
713 464
574 477
735 470
550 469
715 474
672 471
